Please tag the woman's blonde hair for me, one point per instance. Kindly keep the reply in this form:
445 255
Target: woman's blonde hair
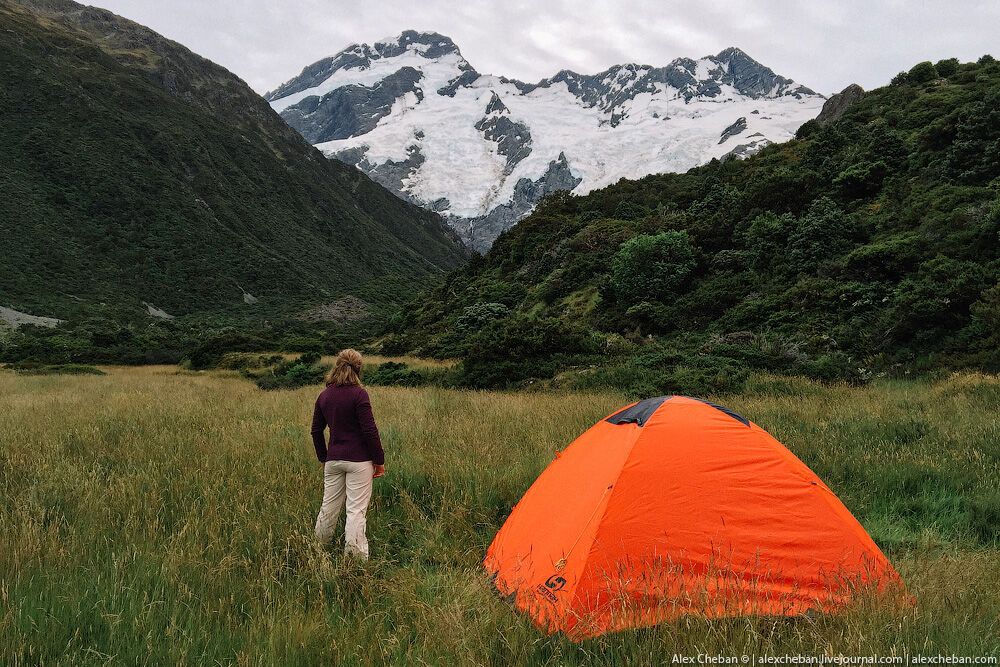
346 369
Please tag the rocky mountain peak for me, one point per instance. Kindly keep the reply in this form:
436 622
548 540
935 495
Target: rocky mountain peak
736 54
752 78
427 44
409 48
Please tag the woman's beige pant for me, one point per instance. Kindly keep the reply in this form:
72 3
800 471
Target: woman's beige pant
346 483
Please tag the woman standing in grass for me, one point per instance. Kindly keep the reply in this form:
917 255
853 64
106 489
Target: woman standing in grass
354 455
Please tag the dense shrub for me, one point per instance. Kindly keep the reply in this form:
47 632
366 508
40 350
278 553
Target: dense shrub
937 297
652 267
765 240
807 129
975 155
824 232
242 361
627 210
394 374
947 67
507 352
862 179
291 374
118 338
478 315
922 73
208 353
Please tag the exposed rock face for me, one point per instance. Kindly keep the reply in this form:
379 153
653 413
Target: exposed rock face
755 142
351 110
482 150
835 107
153 311
702 78
513 139
15 318
736 128
480 232
464 80
753 79
496 106
391 174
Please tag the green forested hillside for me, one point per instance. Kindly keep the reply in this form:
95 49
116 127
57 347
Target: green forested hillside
867 245
132 170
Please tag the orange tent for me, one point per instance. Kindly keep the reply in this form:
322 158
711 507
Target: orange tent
677 506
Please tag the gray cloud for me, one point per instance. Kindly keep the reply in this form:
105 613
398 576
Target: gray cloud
824 45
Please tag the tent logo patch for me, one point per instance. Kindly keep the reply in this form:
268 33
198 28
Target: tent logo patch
552 585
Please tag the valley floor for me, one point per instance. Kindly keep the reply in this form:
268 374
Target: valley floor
159 516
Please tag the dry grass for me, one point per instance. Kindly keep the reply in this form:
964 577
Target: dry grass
164 517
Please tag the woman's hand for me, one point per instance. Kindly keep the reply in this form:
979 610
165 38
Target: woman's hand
379 471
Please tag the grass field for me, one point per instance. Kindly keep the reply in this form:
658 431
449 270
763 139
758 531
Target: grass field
157 516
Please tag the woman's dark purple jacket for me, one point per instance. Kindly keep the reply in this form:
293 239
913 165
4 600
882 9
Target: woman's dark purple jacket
353 434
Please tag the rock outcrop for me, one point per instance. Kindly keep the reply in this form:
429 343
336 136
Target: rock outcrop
837 104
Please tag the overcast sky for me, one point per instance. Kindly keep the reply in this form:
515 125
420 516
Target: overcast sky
823 44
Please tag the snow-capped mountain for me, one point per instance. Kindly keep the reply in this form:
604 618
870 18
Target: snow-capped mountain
482 150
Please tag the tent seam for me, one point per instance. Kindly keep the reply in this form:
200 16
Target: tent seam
614 484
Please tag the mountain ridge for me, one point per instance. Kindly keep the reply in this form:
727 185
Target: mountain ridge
319 71
413 113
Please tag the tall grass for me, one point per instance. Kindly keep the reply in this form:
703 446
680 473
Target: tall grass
162 517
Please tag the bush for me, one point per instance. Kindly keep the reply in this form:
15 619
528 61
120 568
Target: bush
836 366
209 353
651 316
862 179
476 316
663 372
922 73
652 267
765 238
807 129
823 232
395 374
627 210
935 300
510 351
116 338
241 361
947 67
300 372
885 258
974 156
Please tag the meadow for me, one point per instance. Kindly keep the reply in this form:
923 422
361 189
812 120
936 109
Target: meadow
160 516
